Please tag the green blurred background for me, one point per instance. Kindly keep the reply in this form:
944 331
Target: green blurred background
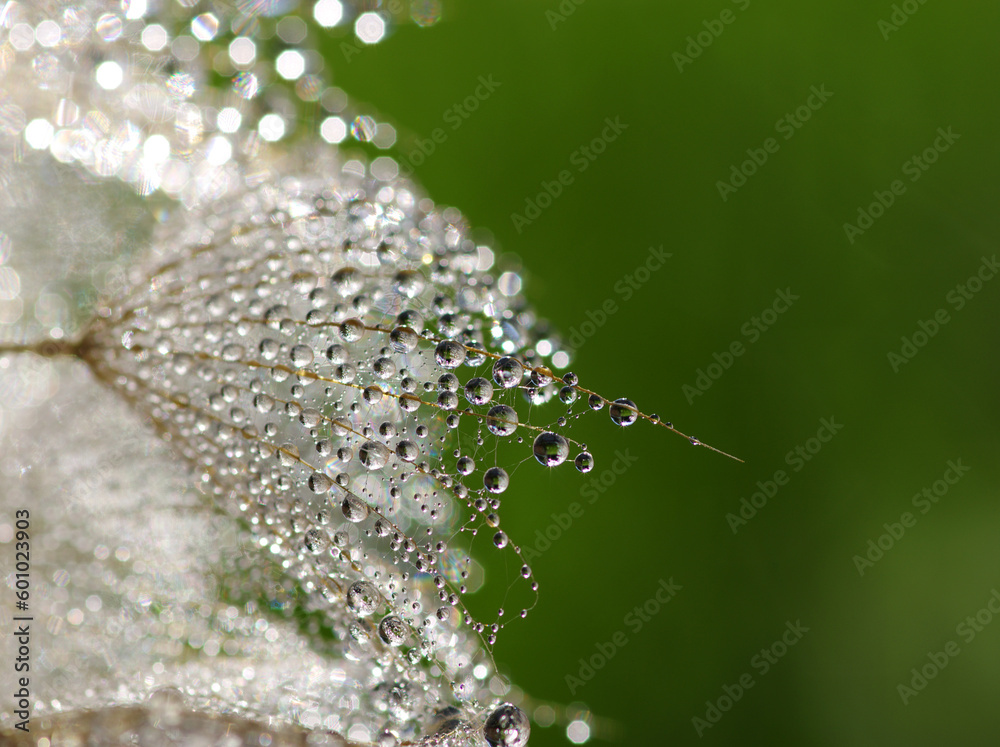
826 357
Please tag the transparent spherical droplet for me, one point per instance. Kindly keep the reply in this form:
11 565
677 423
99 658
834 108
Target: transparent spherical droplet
496 479
351 330
336 354
623 412
584 461
319 483
363 598
372 395
408 283
347 281
478 391
500 539
316 540
263 403
354 509
507 726
392 630
373 455
301 356
449 354
447 401
232 353
567 395
550 449
407 450
408 402
508 372
466 465
403 339
595 402
384 368
501 420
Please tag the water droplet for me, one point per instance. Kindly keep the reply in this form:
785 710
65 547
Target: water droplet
301 356
354 509
478 391
408 403
346 281
407 450
449 354
403 339
496 479
316 540
567 395
232 353
550 449
363 598
351 330
408 283
373 455
507 726
507 372
623 412
392 630
319 483
501 420
500 539
584 461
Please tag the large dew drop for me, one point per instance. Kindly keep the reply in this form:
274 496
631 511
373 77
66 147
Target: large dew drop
550 449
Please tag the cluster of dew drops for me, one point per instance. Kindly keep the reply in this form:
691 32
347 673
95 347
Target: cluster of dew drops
312 349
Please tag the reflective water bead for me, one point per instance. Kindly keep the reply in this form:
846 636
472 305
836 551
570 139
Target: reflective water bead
584 461
351 330
507 372
316 541
500 539
478 391
409 403
449 354
354 509
319 483
384 368
408 283
623 412
550 449
507 726
448 382
411 319
363 598
407 450
496 479
269 349
392 630
447 400
501 420
347 281
301 356
403 339
336 354
373 455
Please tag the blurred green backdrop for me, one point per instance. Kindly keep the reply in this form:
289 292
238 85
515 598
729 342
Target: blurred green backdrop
887 90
